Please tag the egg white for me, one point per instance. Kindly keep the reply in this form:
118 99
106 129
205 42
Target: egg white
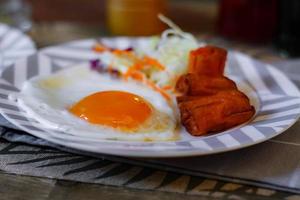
47 99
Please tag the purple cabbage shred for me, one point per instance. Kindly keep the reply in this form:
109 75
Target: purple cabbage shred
96 65
129 49
115 73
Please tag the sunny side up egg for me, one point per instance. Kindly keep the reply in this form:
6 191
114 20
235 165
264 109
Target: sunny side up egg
86 103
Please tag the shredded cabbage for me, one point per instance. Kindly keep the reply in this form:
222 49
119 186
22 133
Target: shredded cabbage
171 50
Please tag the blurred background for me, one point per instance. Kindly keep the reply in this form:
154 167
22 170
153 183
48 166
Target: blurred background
275 23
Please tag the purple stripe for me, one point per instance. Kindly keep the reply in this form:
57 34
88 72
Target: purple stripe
9 107
267 77
278 110
8 74
9 87
267 131
241 137
214 143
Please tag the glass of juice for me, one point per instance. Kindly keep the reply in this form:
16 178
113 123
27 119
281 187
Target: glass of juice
135 17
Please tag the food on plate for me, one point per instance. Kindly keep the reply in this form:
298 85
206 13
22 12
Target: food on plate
210 102
193 84
208 61
160 59
144 92
117 109
218 112
84 102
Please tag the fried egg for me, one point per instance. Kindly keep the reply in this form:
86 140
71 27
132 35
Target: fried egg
87 103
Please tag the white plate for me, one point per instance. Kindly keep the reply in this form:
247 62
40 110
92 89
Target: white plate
276 98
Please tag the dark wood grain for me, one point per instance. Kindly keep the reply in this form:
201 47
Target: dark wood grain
16 187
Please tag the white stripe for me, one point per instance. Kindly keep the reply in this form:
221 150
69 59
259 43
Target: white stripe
201 144
253 133
278 129
18 53
71 53
270 97
108 42
275 115
7 92
9 38
3 29
24 43
44 65
280 123
82 44
281 104
20 72
143 43
63 63
283 82
122 43
252 75
228 140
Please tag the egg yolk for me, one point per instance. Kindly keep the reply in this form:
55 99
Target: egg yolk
117 109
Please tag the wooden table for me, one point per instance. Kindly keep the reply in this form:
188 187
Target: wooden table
33 188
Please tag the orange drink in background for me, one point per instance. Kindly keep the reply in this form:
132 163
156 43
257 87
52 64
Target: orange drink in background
135 17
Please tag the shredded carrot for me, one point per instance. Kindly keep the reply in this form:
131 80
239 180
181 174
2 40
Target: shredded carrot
134 74
143 63
167 87
160 90
153 62
119 52
140 76
126 54
100 48
135 71
110 67
137 66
